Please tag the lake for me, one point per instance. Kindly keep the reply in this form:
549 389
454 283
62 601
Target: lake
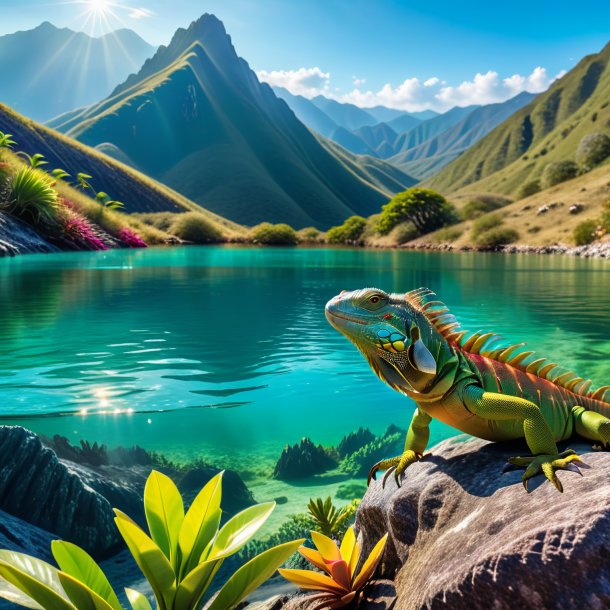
224 352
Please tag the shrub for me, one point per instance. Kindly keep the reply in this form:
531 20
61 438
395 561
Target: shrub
350 232
447 235
179 556
485 223
496 237
605 217
160 220
130 238
584 232
593 149
274 235
425 208
482 204
529 188
196 228
309 235
79 230
31 197
559 171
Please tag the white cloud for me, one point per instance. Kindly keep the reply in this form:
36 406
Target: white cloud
413 94
140 13
308 82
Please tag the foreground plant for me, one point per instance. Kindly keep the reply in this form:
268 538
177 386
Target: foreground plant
330 519
179 557
31 196
339 583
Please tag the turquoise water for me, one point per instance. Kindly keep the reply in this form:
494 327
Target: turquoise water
225 353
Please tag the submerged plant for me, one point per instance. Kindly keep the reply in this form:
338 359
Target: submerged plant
330 519
339 582
31 196
179 556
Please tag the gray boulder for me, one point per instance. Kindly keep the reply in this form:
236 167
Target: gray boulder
18 238
465 534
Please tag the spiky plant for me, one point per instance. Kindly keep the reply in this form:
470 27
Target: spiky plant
329 519
31 196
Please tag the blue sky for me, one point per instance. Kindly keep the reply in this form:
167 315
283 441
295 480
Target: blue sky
410 54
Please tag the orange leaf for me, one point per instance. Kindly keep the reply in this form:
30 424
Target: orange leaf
370 564
339 571
314 557
327 547
306 579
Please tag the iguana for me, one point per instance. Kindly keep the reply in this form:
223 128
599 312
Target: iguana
415 345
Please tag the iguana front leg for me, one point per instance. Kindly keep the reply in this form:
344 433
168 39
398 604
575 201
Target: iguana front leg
415 445
538 435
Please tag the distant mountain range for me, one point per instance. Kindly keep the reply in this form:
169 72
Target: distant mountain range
196 118
420 144
47 71
548 129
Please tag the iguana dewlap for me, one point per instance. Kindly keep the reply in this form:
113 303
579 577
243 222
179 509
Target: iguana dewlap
414 344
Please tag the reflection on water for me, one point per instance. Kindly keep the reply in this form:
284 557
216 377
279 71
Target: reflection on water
225 351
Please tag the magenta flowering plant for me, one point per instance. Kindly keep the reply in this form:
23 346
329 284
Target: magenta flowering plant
79 230
130 238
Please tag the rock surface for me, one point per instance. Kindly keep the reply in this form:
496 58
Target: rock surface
463 534
302 460
17 238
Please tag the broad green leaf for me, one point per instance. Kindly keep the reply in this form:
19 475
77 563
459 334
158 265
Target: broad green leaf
16 596
240 529
195 584
151 560
76 562
252 575
35 578
164 513
81 595
137 600
200 524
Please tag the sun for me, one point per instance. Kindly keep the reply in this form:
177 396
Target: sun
100 7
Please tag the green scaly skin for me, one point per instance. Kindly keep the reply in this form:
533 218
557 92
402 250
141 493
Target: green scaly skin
414 345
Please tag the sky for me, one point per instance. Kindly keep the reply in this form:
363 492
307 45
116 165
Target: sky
406 54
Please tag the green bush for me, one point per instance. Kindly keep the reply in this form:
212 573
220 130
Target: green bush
481 204
496 237
593 149
447 235
160 220
196 228
425 208
274 235
584 232
309 235
605 217
529 188
31 196
559 171
485 223
350 232
403 233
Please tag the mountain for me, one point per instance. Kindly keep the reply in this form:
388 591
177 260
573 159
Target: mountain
139 193
348 116
59 70
307 112
383 114
433 154
380 138
548 129
196 118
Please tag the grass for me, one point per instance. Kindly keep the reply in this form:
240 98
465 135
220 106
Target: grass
196 228
30 196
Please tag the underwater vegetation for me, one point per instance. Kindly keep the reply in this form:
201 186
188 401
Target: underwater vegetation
179 556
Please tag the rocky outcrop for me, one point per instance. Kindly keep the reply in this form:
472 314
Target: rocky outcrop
465 534
358 463
302 460
354 441
18 238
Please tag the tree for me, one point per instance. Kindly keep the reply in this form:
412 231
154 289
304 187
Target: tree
593 149
559 171
425 208
349 232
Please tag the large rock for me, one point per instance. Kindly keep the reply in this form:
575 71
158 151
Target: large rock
18 238
302 460
36 487
463 534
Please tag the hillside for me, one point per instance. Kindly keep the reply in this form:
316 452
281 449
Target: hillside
137 192
548 129
431 155
60 70
196 118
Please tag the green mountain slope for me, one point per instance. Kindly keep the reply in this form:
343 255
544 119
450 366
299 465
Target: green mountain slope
548 129
307 112
138 192
429 157
196 118
60 70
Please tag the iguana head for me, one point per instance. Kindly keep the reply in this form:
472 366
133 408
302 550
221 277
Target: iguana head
394 336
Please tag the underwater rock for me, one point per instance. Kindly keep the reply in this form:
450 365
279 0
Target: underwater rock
302 460
36 487
354 441
17 535
18 238
463 533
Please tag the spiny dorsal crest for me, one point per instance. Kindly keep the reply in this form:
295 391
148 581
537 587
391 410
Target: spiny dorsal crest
438 314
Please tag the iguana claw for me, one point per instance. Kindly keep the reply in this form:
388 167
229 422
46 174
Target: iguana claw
396 465
548 465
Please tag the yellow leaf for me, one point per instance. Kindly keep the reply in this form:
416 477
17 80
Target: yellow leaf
354 559
307 579
347 545
315 558
327 547
370 564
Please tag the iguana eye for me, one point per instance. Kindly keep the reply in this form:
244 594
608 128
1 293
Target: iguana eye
374 299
